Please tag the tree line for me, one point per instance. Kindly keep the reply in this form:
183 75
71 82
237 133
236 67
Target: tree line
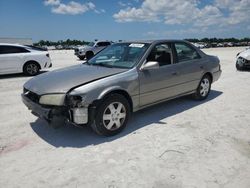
67 42
219 40
70 42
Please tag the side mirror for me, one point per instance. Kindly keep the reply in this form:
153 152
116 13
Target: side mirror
150 65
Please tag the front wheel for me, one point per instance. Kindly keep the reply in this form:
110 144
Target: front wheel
112 115
204 88
240 63
82 57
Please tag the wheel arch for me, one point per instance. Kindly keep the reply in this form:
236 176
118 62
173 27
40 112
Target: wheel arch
210 75
115 90
89 51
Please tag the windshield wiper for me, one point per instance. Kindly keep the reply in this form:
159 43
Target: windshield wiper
104 65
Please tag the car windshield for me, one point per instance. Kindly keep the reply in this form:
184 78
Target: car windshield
120 55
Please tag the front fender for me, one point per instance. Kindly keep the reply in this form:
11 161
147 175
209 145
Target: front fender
96 90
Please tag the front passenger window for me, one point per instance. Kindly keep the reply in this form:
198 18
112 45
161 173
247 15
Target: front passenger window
162 54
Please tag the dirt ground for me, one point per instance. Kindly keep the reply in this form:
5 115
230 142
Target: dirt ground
181 143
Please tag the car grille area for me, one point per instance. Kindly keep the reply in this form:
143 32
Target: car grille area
31 95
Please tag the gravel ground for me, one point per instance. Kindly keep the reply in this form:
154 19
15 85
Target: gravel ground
181 143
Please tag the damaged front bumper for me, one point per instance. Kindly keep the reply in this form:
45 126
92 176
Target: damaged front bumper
57 115
36 109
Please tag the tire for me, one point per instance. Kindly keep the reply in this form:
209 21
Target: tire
31 68
111 115
238 67
204 88
89 55
239 64
82 57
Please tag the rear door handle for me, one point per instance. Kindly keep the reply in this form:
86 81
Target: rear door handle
202 67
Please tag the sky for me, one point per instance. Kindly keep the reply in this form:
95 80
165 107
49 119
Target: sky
124 20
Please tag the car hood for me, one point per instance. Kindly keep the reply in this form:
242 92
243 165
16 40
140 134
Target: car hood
62 80
245 54
85 48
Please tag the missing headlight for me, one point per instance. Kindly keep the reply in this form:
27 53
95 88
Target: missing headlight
76 101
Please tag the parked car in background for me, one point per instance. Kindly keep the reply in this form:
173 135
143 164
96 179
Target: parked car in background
243 59
16 58
220 45
91 49
123 78
200 45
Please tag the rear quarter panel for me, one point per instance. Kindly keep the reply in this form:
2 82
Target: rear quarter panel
212 64
39 57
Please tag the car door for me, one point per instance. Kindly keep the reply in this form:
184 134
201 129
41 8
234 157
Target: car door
11 57
189 66
159 84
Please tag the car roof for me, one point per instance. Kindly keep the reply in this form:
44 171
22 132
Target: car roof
10 44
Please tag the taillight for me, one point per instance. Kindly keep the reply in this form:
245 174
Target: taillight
47 55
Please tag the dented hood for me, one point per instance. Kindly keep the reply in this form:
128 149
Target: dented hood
62 80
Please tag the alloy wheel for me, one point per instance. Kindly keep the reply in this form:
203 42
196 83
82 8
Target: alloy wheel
114 116
32 69
204 87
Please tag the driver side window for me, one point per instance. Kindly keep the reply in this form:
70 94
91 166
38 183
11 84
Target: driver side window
162 54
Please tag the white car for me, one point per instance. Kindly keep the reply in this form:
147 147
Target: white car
16 58
91 49
243 59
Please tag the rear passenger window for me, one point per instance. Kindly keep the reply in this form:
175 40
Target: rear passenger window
185 52
12 49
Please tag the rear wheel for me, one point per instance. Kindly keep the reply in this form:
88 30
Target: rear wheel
111 115
203 89
89 55
31 68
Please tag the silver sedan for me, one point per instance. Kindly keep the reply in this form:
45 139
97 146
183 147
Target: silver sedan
123 78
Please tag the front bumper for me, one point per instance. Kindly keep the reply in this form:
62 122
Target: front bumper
246 64
36 109
80 53
76 116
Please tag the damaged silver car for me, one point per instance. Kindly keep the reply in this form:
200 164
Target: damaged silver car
243 59
123 78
